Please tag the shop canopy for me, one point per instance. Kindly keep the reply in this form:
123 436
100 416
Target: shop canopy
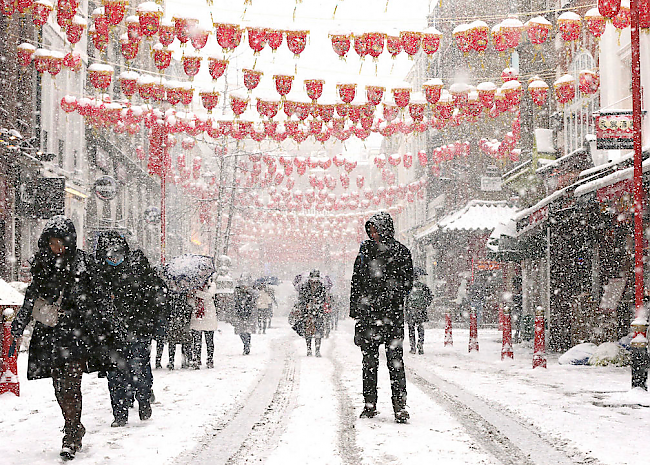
9 295
476 216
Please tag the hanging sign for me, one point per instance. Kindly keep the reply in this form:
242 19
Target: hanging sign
614 131
105 188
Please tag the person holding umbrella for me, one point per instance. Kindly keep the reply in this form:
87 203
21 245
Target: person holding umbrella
132 295
203 322
417 304
311 302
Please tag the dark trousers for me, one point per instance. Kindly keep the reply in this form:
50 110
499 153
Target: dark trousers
67 390
186 351
394 359
132 377
197 340
246 339
412 330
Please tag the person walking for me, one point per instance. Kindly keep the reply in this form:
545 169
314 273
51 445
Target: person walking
311 302
178 326
381 280
203 322
264 304
417 304
133 296
69 344
244 318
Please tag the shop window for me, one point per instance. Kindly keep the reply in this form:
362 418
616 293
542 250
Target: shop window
579 117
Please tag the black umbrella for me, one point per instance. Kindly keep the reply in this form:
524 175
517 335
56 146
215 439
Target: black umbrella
189 271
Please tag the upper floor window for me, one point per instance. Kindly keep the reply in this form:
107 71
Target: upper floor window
579 117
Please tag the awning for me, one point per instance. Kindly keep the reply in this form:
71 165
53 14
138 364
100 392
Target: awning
615 183
477 215
536 215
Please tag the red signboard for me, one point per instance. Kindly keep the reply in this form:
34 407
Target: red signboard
614 131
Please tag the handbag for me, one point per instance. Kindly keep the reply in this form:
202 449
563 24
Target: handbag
47 313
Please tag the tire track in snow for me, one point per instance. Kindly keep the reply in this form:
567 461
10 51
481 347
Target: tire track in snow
254 427
500 433
349 451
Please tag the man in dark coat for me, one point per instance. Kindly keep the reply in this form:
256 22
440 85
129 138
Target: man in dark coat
417 304
311 301
61 274
381 280
133 296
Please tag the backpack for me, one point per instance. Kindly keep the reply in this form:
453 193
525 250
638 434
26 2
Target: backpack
420 297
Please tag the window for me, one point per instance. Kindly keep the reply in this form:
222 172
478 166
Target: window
579 115
61 152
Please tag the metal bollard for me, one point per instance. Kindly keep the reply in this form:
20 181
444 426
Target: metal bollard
539 354
473 331
9 369
506 339
449 340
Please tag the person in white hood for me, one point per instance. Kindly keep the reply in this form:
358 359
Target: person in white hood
203 322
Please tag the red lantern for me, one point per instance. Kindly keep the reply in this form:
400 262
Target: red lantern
461 36
374 94
162 57
187 93
589 82
129 83
340 43
188 144
25 52
100 75
314 88
459 92
75 29
149 16
251 78
69 103
393 45
296 41
347 91
166 32
173 91
596 23
238 104
55 63
191 65
512 29
145 85
512 92
623 18
283 84
538 29
509 74
115 10
375 43
609 8
538 91
422 158
302 110
360 45
65 10
100 21
486 92
183 27
133 28
390 111
158 91
411 42
129 49
326 112
416 108
478 34
432 90
228 36
23 5
402 96
569 23
407 160
565 89
445 106
274 38
41 10
499 39
217 66
256 39
209 99
431 38
72 61
198 37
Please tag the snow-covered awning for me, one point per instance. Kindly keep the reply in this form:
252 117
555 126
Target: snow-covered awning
9 295
617 178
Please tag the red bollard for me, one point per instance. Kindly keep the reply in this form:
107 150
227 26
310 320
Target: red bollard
506 340
9 369
473 331
539 354
449 340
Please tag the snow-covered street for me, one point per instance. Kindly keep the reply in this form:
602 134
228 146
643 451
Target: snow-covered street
280 406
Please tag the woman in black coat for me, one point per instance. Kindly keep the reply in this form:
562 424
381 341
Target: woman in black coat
60 272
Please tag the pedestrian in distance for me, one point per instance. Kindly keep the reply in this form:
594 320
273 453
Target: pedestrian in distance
244 318
311 302
70 343
178 326
133 296
264 304
417 305
203 322
381 280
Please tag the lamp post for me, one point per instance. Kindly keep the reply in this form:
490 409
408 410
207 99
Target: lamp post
640 323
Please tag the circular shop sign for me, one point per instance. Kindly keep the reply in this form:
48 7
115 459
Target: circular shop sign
152 215
105 188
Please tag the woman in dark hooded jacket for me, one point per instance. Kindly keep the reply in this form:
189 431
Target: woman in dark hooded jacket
132 296
60 274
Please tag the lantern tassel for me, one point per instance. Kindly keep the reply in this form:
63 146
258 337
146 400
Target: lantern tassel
335 8
386 7
294 17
